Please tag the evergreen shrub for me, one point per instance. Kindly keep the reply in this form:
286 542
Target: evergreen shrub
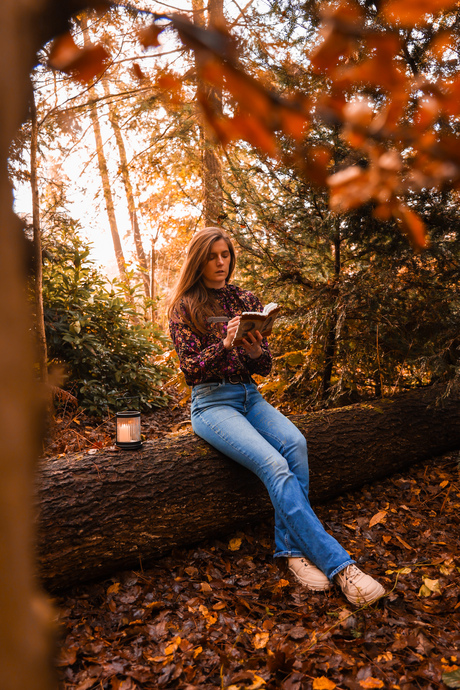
110 354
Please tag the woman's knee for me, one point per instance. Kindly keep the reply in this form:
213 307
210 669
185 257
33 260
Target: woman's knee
296 441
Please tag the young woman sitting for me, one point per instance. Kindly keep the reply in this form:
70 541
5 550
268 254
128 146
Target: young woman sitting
229 413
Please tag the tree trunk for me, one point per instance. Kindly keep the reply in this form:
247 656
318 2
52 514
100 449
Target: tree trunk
109 205
142 261
211 97
38 282
117 509
331 340
103 170
25 620
153 265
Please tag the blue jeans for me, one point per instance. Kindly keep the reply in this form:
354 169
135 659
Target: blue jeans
237 421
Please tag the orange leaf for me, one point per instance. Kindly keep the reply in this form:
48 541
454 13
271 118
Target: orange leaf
338 36
334 46
314 163
169 82
293 123
260 640
415 228
443 41
412 12
323 683
63 51
255 132
382 212
82 63
371 683
427 111
148 36
247 92
350 188
137 72
404 543
377 518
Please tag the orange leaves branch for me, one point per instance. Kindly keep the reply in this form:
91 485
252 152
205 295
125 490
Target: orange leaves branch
401 117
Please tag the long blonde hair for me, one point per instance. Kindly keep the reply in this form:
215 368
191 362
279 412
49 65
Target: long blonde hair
190 300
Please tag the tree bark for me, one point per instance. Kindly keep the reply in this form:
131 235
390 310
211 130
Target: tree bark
211 166
331 339
25 621
118 509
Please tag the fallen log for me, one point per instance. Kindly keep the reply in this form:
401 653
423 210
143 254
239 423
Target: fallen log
114 510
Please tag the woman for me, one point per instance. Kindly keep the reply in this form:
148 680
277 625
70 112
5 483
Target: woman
230 414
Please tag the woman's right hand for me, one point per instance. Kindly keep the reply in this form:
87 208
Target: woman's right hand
232 328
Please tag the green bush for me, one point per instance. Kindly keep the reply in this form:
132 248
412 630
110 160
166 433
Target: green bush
108 352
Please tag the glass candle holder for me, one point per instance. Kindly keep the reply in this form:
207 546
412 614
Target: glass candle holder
128 430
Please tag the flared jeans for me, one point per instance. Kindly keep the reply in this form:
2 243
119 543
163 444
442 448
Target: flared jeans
235 419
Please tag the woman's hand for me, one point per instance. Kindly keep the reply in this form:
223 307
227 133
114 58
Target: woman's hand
232 328
252 345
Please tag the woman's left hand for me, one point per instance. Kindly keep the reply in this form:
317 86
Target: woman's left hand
252 344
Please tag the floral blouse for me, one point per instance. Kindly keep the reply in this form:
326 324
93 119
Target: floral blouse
204 357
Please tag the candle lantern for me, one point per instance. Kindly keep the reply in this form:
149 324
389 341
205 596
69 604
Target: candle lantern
129 430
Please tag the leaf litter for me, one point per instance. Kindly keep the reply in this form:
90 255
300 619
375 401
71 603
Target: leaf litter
223 614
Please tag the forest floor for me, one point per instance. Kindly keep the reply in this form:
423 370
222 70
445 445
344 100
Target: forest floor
224 615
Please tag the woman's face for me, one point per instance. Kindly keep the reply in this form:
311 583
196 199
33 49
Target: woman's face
217 266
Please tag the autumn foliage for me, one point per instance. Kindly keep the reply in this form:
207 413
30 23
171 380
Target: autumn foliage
400 124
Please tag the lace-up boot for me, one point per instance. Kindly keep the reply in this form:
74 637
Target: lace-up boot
308 574
358 587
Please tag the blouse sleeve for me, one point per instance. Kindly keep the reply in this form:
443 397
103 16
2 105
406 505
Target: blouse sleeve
262 365
197 363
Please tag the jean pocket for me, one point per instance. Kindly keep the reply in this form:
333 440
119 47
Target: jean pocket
204 389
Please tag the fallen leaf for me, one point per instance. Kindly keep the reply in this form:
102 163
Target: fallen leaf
378 518
404 543
171 648
234 544
67 656
257 683
371 683
451 679
323 683
298 632
433 585
260 640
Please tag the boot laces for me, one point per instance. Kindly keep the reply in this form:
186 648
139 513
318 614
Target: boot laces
352 573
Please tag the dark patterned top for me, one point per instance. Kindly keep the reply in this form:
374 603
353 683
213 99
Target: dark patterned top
203 357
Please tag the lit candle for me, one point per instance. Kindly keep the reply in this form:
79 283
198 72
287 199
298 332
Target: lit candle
124 433
129 430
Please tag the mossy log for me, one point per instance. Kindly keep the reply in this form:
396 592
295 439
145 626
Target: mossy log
98 513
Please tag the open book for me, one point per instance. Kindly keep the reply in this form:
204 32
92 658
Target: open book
252 321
